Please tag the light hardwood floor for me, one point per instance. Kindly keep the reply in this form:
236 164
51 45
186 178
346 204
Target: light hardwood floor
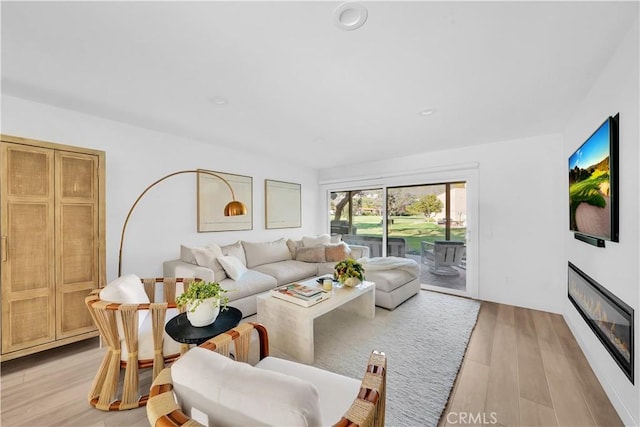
522 365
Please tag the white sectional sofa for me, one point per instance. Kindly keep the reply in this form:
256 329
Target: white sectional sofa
247 269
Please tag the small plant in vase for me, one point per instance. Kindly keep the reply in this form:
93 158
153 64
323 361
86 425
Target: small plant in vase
349 272
203 302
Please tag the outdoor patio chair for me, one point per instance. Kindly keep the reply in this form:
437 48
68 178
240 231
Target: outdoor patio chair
207 387
442 256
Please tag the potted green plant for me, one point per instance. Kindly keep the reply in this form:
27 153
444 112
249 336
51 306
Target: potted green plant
349 272
203 301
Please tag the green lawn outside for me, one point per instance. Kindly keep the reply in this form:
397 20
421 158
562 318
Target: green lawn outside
414 229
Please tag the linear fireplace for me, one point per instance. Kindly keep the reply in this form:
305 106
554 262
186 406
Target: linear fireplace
608 316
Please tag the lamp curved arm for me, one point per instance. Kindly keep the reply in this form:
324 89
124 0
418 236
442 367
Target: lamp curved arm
196 171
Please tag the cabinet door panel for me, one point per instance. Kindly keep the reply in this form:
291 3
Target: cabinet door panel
77 242
30 322
78 177
28 263
29 246
28 171
75 320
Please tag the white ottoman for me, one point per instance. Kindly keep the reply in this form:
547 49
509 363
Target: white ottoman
396 279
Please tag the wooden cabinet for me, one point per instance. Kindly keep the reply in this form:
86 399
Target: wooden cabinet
52 225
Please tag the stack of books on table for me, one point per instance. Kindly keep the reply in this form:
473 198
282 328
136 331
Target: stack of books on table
303 295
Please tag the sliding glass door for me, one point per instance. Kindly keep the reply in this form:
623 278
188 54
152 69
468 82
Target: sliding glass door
424 222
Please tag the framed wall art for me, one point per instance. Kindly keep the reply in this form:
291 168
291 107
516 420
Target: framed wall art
213 196
283 204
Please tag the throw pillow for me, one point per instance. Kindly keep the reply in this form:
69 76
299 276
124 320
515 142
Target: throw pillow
337 252
127 289
314 242
186 255
336 238
232 266
293 246
237 250
265 252
207 256
311 254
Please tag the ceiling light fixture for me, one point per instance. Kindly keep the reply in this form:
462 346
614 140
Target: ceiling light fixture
350 16
427 111
218 100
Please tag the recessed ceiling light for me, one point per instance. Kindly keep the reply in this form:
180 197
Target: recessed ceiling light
350 16
218 100
427 111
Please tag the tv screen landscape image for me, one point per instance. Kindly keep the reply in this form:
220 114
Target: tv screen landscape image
593 184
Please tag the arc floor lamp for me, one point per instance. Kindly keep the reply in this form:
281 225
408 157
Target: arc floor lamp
233 208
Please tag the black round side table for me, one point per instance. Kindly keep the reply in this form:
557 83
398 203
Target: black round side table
179 328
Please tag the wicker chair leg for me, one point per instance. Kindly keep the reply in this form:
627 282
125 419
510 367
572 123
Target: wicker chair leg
130 387
110 385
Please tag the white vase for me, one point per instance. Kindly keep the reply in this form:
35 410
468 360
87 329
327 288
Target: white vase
351 281
205 313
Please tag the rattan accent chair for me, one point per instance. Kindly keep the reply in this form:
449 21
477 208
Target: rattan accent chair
119 322
367 408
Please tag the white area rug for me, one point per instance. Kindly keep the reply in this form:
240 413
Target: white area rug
424 339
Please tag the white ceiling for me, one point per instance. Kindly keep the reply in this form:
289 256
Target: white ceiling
299 87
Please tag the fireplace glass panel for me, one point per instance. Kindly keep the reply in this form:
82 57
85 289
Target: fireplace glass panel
608 316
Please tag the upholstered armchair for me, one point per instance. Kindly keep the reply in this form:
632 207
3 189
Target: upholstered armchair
131 325
207 387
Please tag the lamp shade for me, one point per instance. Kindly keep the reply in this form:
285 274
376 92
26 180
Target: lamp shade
235 208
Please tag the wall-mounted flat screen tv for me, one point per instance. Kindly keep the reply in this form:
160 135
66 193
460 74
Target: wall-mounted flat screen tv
593 185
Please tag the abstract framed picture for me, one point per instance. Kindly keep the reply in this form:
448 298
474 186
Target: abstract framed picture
283 204
214 193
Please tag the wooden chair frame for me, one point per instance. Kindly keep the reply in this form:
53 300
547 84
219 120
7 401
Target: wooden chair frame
367 409
103 393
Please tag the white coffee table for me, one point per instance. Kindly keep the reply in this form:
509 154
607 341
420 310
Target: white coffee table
290 326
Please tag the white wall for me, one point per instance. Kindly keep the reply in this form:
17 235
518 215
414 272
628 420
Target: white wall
135 157
521 194
616 267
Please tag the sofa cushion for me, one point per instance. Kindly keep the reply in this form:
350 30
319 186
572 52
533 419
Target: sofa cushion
207 256
236 249
288 271
311 254
265 252
186 255
251 283
335 252
325 268
293 246
232 266
336 392
203 378
312 242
